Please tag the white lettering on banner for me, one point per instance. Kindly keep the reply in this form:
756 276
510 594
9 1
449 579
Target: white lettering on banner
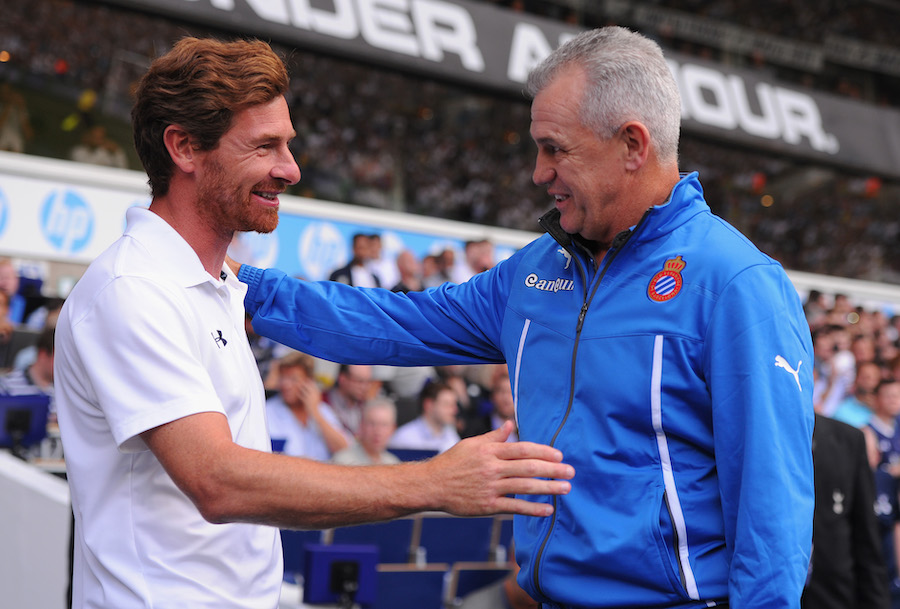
764 124
418 28
458 36
430 29
529 47
386 25
712 98
801 117
340 24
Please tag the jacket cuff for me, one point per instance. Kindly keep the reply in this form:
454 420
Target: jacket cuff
252 276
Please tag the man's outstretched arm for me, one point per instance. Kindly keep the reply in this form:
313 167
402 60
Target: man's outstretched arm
230 483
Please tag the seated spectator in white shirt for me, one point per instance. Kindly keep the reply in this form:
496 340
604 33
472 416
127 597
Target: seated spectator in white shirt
377 425
435 427
297 417
97 148
37 379
353 386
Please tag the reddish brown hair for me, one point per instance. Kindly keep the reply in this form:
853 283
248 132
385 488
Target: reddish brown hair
199 85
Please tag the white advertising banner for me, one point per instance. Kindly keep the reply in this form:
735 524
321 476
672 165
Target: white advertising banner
62 211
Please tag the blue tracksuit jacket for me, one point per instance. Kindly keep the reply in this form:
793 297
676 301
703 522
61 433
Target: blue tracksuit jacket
676 378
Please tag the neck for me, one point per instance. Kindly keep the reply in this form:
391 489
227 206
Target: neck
208 242
648 188
299 412
888 420
435 426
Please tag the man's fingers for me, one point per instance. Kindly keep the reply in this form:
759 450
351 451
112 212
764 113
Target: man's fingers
510 505
528 450
536 468
533 486
500 434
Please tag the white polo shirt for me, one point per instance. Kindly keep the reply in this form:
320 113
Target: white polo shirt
146 337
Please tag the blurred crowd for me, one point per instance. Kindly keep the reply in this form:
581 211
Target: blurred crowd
856 372
871 22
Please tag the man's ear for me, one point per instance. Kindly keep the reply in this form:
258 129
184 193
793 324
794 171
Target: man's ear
181 148
637 141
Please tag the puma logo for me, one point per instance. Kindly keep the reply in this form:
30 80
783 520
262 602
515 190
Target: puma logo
783 363
567 255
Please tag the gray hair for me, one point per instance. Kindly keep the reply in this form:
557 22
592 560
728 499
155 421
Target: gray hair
627 79
381 402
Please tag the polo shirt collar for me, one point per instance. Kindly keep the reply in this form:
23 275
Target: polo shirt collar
174 256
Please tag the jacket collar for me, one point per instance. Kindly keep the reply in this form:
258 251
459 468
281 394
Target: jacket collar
685 201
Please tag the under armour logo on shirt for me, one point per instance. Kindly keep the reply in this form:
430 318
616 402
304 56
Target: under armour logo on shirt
220 340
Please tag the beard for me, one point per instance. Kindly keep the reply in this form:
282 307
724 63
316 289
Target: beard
229 206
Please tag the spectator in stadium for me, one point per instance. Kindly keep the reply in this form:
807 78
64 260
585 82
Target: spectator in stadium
432 276
815 308
666 354
378 423
97 148
502 402
856 409
356 272
15 125
9 285
863 348
7 327
352 388
36 378
847 567
382 268
834 371
298 416
177 497
883 427
435 427
478 256
470 396
410 271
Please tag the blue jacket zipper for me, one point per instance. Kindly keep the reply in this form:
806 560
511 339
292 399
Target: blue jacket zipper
614 249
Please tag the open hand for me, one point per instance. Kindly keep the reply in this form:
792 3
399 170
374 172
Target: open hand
478 475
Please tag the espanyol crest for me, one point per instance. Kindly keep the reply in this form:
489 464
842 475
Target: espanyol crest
666 284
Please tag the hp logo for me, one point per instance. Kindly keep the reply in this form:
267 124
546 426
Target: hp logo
4 211
67 221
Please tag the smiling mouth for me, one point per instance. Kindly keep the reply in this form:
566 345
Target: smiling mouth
271 197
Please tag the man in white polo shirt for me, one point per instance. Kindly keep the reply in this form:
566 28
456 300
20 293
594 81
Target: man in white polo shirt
161 407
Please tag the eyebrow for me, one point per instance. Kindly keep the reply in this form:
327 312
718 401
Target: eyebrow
273 137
